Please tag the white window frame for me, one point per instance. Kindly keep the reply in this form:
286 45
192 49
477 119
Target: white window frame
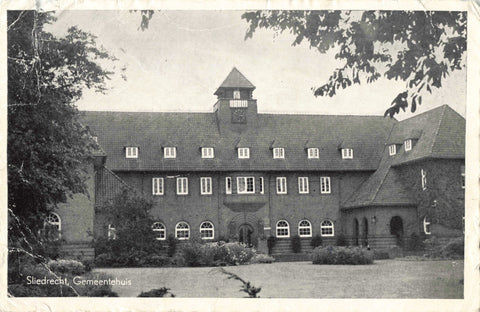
304 227
392 149
423 174
206 186
281 185
313 153
205 229
228 185
131 152
181 190
169 152
426 225
283 229
325 227
236 94
159 230
245 182
243 152
208 152
179 230
111 232
408 145
347 153
462 173
303 185
278 153
325 185
157 186
261 185
53 219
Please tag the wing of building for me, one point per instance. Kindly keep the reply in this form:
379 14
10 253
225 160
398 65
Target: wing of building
245 175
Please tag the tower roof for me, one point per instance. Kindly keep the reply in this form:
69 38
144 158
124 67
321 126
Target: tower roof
236 80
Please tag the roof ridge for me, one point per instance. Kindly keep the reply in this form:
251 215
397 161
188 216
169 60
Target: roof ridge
438 128
382 180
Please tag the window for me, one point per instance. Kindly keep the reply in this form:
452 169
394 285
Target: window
206 186
206 230
281 185
304 228
325 185
111 232
326 228
424 179
243 152
207 152
462 172
303 185
131 152
182 186
278 152
408 145
236 94
182 231
245 185
169 152
313 153
157 186
159 231
347 153
228 185
52 226
260 185
392 149
283 229
426 226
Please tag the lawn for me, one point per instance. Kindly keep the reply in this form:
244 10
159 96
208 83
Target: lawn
383 279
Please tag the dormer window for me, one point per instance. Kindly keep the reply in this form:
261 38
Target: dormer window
169 152
243 152
131 152
236 94
207 152
313 153
408 145
347 153
278 153
392 149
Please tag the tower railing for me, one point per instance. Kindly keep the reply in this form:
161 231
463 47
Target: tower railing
238 103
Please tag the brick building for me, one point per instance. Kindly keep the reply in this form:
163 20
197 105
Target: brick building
241 175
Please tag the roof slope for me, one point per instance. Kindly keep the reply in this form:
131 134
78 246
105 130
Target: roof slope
188 132
440 133
236 80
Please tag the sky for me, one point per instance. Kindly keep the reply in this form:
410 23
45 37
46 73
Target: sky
181 59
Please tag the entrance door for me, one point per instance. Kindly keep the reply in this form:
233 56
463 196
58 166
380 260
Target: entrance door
245 234
396 228
355 232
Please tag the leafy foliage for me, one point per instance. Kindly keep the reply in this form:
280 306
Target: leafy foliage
157 292
316 241
342 255
247 287
296 244
418 47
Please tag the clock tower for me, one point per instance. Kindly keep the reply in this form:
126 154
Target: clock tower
235 107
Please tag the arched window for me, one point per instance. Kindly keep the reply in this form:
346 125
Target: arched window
326 228
305 228
159 230
52 226
206 230
182 231
283 229
426 225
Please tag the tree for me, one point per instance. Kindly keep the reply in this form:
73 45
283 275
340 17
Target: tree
47 144
418 47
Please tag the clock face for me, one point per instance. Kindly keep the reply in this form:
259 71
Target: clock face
239 115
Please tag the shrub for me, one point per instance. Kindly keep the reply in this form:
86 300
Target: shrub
262 258
415 243
380 255
62 266
271 240
316 241
341 240
159 292
342 255
296 244
171 245
453 249
213 254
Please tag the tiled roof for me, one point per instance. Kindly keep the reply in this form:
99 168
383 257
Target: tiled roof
189 132
440 133
236 80
107 186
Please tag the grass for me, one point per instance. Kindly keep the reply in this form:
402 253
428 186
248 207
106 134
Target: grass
383 279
